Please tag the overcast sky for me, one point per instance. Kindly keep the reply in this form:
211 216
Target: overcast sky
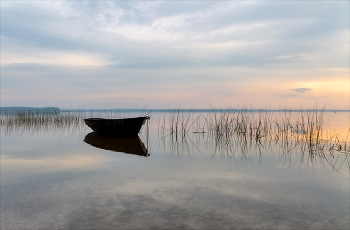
187 54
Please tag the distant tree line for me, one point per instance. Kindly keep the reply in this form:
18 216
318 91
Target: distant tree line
15 110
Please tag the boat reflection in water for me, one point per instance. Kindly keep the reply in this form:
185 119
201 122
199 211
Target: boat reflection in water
130 145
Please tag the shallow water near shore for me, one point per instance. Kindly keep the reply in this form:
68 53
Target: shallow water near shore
60 178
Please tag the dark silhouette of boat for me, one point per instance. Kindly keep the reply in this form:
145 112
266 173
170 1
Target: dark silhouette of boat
130 145
116 127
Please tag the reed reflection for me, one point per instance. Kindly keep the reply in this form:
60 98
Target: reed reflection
131 145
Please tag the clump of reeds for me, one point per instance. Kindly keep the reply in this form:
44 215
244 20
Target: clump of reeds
243 130
179 122
39 120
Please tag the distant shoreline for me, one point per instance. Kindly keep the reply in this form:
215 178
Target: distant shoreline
16 109
198 110
57 110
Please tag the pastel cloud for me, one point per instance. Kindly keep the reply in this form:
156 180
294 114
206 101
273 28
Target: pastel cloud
301 90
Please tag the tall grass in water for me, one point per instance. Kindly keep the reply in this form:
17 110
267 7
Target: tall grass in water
242 131
72 120
38 120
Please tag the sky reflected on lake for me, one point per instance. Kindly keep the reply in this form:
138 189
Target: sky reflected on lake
56 180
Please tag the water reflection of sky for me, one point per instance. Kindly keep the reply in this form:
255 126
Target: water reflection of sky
53 180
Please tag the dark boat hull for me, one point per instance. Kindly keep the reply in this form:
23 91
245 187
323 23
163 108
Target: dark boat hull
116 127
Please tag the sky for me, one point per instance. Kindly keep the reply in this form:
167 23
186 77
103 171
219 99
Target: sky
175 54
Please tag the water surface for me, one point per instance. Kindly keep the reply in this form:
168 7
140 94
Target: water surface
54 179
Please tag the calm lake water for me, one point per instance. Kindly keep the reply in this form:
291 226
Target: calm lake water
70 178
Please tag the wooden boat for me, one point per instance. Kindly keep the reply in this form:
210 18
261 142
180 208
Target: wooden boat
130 145
116 127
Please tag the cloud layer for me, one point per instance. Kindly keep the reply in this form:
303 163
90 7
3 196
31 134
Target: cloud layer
130 53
